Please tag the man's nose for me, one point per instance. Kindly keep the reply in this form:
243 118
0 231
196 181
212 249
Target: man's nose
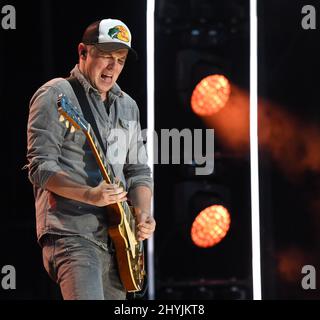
111 64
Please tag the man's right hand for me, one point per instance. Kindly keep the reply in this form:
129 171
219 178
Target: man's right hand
101 195
105 194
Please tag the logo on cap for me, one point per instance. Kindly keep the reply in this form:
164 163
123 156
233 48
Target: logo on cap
119 32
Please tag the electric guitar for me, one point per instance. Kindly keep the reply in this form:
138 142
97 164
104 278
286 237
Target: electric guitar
120 219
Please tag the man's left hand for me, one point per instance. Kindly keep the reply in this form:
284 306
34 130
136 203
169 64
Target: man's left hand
145 225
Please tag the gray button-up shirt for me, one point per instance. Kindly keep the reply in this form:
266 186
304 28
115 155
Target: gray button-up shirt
52 147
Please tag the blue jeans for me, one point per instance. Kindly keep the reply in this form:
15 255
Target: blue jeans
83 270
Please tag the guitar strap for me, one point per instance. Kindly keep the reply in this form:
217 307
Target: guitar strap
86 109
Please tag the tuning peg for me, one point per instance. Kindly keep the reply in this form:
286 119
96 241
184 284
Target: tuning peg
72 129
62 118
67 124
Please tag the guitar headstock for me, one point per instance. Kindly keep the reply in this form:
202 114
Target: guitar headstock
70 116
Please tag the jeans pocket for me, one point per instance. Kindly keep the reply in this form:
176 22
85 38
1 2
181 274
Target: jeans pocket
48 258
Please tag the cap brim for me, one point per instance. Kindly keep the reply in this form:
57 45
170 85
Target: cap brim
107 47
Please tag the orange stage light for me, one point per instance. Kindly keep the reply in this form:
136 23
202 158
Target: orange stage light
210 226
210 95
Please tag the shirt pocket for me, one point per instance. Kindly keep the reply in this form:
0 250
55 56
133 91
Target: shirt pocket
125 128
124 123
118 142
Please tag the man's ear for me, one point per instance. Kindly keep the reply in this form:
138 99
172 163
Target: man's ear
82 51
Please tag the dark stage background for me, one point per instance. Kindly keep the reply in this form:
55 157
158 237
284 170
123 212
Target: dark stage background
44 46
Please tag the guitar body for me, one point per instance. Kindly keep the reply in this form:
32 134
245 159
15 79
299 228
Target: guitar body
131 267
120 218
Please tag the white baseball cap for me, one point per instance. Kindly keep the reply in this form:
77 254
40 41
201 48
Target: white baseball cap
108 35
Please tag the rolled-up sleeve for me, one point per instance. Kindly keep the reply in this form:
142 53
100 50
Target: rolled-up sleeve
136 170
45 136
138 175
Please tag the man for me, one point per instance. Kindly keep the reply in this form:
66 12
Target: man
71 197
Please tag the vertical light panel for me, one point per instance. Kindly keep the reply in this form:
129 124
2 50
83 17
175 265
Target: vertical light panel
150 126
255 210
